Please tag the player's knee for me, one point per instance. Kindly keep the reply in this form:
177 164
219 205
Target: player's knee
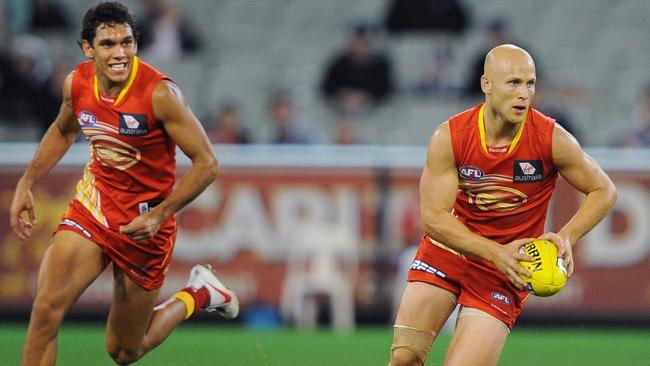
122 355
47 312
410 346
404 357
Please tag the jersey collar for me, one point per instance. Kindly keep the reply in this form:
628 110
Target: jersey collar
120 97
481 130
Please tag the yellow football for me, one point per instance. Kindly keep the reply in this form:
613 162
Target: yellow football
548 273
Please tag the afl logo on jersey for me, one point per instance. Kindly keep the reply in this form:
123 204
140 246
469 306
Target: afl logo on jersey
86 119
470 172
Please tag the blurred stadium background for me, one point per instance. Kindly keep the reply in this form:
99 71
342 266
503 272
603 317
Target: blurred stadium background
258 223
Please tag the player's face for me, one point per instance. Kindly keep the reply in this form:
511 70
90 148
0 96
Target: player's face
511 89
112 51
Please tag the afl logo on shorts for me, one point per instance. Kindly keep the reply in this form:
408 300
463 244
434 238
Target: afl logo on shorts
470 172
501 297
86 119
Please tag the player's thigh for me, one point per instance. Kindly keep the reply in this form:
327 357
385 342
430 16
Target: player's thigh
130 313
70 264
424 307
477 341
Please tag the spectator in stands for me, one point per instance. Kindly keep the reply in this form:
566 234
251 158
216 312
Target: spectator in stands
26 72
49 15
30 88
49 100
288 128
554 108
426 16
15 16
225 127
167 33
639 135
3 27
346 131
360 76
6 72
436 79
498 32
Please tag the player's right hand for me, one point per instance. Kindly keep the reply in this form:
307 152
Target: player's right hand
507 258
23 201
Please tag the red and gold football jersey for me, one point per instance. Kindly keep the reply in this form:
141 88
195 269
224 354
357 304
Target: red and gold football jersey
132 159
503 191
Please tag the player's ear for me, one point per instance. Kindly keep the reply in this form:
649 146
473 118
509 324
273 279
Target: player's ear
485 84
88 49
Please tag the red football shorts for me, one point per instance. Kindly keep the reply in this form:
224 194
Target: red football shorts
478 285
145 263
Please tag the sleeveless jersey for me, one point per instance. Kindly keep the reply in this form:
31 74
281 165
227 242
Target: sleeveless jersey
132 159
503 195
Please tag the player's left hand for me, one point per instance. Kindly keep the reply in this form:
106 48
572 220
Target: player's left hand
22 203
564 250
142 228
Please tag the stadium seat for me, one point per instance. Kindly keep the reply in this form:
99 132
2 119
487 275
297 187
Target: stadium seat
322 262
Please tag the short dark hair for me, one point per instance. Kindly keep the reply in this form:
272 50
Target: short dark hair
106 12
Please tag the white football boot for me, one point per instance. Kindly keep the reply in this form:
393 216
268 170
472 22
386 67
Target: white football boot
222 299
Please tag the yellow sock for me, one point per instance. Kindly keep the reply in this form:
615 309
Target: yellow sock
189 302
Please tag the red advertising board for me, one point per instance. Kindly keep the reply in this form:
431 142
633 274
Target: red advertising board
245 225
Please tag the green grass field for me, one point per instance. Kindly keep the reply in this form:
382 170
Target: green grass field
213 345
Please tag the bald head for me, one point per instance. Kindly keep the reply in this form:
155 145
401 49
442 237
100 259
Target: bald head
505 58
508 82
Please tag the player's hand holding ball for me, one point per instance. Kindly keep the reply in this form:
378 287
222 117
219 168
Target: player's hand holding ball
548 274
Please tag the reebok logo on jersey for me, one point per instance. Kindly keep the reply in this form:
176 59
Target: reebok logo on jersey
528 171
133 124
500 149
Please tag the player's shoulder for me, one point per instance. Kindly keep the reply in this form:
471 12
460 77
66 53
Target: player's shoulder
442 131
67 84
68 79
441 136
166 99
166 90
562 139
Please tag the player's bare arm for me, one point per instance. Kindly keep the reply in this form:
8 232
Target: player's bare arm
438 187
186 131
584 174
54 145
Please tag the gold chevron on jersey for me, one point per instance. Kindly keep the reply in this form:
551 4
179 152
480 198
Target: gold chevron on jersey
89 196
99 128
104 126
465 185
491 178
